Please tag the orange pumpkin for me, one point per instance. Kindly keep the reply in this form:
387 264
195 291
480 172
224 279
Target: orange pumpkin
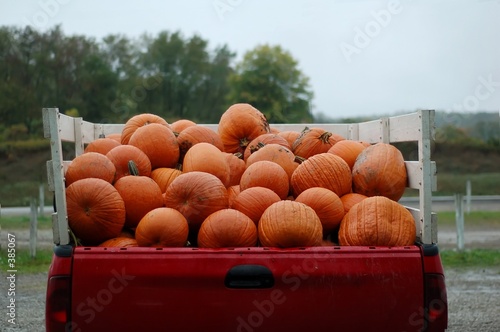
90 165
140 194
116 136
138 121
197 134
262 140
289 224
162 227
181 124
101 145
380 170
196 195
313 141
236 167
327 206
324 170
239 125
159 143
266 174
276 153
163 176
254 201
351 199
347 150
290 136
120 241
96 211
205 157
227 228
232 193
121 156
377 221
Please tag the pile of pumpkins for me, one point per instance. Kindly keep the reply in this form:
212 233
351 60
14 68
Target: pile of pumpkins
245 184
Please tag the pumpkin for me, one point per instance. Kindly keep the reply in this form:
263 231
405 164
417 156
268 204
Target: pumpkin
140 194
120 241
232 193
351 199
236 167
90 165
163 176
254 201
180 125
290 136
380 170
196 195
96 211
162 227
159 143
263 140
266 174
313 141
101 145
327 206
276 153
197 134
239 125
205 157
227 228
121 155
377 221
116 136
138 121
347 150
289 224
324 170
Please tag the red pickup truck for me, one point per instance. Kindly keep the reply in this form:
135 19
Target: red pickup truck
341 288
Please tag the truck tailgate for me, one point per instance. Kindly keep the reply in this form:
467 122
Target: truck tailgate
247 289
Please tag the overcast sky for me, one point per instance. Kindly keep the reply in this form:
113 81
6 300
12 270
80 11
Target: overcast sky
362 57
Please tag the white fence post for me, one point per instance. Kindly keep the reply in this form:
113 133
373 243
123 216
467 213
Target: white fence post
468 192
459 218
33 228
41 199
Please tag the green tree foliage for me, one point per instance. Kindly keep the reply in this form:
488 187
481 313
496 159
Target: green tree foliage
268 77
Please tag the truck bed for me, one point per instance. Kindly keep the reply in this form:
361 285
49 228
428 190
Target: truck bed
240 289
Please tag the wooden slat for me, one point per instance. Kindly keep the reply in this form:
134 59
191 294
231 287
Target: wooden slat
414 171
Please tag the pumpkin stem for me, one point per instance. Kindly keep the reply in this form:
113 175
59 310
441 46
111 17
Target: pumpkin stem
256 147
75 239
299 159
325 136
132 168
239 155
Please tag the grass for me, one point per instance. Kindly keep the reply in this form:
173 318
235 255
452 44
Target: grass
24 263
23 222
481 183
470 258
485 219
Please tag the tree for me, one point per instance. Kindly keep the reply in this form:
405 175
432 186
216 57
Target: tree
268 77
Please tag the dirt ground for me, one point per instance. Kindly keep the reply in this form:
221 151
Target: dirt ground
473 293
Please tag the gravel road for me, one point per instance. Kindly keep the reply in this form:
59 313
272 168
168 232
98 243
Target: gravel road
473 293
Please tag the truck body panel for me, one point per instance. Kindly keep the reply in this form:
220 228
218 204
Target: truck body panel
256 288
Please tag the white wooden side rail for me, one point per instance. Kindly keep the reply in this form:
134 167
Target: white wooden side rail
414 127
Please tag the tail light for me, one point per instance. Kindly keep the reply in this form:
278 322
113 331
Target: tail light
436 303
58 304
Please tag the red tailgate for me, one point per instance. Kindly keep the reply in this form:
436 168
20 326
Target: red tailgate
247 289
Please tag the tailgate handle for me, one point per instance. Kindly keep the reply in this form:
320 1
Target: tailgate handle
249 276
